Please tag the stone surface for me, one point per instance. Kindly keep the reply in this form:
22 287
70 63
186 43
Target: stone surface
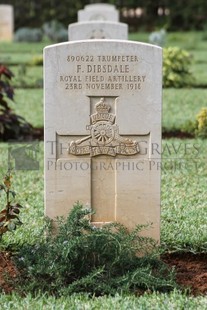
100 6
97 30
6 23
101 12
103 130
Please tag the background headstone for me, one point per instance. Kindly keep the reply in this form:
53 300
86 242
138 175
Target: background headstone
103 130
102 14
97 30
100 6
6 22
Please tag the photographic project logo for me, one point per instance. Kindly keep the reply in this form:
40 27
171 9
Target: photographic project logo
23 156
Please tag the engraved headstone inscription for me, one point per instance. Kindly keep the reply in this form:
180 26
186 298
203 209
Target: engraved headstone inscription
103 130
97 30
6 22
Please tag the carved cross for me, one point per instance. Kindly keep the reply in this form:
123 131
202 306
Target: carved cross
102 144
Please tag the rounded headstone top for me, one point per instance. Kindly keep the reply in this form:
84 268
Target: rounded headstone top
99 6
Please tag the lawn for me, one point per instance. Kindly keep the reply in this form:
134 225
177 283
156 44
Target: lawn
29 104
184 178
183 196
149 301
180 106
27 76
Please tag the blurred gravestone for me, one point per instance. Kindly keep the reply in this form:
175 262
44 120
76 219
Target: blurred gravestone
97 30
55 31
99 6
6 23
99 11
158 37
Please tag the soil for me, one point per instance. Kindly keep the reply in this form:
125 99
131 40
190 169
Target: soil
177 134
8 272
191 271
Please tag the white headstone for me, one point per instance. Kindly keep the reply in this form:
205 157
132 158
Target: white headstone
97 30
6 22
103 129
100 6
98 14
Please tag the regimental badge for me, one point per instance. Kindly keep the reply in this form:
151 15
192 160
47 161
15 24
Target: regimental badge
104 138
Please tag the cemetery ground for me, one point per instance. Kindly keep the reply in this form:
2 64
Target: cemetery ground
184 179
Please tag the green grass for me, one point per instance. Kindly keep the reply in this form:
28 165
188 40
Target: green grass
155 301
22 48
180 106
184 206
187 40
199 56
139 36
29 187
29 104
190 40
200 73
27 76
12 59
